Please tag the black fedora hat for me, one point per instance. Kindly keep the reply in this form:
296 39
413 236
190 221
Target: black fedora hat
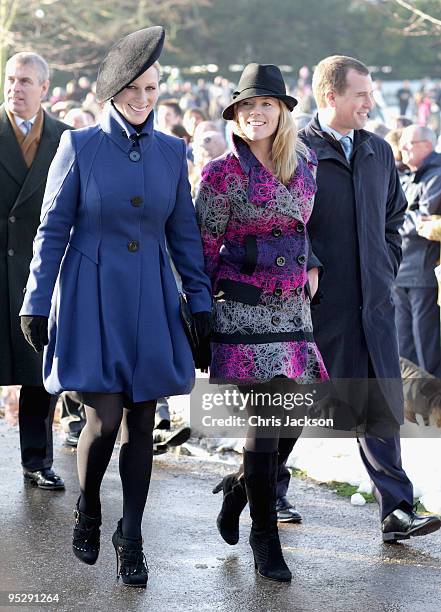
127 60
259 80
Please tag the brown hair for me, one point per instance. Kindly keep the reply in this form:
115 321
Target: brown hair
330 75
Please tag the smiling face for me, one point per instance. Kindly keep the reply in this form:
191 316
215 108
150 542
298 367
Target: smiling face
258 118
414 148
23 90
349 110
136 101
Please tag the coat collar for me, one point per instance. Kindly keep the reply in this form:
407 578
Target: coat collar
30 179
122 133
37 174
327 147
433 160
11 156
263 187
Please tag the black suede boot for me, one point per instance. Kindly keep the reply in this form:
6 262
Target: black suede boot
235 500
86 536
130 560
260 472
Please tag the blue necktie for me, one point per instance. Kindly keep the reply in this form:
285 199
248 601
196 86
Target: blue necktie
27 125
346 143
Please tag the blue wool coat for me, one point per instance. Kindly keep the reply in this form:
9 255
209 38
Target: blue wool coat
101 271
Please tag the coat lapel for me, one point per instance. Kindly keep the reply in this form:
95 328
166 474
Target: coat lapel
11 157
264 189
37 173
326 147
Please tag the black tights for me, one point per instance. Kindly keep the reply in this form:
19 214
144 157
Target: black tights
264 438
105 412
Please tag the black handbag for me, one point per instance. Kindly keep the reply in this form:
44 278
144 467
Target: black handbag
189 327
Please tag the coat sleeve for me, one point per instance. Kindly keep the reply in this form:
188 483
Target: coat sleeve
213 213
395 208
429 203
184 244
57 218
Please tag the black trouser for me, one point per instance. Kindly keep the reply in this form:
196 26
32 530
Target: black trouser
73 414
417 317
381 456
35 418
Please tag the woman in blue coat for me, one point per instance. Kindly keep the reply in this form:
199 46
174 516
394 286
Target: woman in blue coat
101 293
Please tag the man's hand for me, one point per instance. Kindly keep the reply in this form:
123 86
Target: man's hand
430 229
313 279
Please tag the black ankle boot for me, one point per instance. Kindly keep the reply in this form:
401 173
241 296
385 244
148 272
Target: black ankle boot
86 536
235 500
260 472
130 560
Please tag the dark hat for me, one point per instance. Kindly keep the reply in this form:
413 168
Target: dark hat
127 60
264 80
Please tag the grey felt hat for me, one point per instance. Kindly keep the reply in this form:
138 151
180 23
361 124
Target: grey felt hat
127 60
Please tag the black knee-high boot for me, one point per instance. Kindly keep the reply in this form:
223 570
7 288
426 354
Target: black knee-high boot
260 473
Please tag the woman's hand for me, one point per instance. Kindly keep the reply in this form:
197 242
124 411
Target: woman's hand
34 329
204 327
313 279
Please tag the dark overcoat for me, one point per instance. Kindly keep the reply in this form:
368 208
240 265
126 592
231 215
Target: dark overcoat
21 196
354 231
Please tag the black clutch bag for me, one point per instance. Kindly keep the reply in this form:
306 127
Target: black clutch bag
189 327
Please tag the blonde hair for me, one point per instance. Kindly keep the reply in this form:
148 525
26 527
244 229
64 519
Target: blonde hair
157 65
330 75
286 145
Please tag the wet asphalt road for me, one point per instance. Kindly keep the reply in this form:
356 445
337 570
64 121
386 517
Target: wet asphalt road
337 558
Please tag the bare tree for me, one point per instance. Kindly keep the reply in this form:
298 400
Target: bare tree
72 35
419 22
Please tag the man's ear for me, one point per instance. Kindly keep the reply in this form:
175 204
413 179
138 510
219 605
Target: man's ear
330 98
44 89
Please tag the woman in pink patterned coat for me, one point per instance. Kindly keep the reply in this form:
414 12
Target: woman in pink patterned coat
253 208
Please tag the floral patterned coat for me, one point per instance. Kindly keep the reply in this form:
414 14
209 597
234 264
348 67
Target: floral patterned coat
256 253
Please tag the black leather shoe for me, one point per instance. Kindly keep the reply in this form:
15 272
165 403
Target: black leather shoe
72 438
286 512
44 479
174 437
163 424
159 448
401 525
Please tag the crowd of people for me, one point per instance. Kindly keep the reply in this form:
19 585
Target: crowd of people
100 227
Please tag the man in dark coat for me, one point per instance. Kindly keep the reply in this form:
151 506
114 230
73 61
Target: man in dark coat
28 141
354 231
415 291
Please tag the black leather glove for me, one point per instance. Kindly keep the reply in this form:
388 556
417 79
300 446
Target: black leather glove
34 328
203 324
204 327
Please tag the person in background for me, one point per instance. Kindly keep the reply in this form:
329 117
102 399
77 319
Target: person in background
29 138
169 114
393 138
78 118
415 287
404 97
